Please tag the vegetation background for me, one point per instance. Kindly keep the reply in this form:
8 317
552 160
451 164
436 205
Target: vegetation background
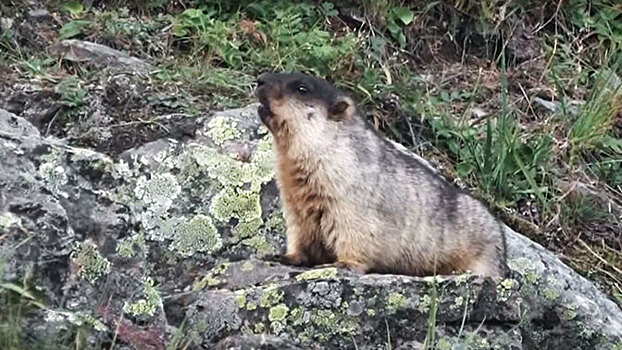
519 101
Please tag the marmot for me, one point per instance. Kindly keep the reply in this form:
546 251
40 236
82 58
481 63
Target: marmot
357 200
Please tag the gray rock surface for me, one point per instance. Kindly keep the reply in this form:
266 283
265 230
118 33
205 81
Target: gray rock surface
166 239
99 55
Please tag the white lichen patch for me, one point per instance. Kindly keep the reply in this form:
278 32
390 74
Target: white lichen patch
223 129
196 235
88 262
147 305
159 191
7 220
52 171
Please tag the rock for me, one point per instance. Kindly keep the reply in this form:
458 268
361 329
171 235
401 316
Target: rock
171 233
338 309
255 342
572 109
6 24
39 14
99 55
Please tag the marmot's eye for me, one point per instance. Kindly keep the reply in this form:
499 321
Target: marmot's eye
302 89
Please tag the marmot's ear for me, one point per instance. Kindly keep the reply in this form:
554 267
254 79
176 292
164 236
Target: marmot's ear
342 108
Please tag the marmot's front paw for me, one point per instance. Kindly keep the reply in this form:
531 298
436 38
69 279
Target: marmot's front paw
287 259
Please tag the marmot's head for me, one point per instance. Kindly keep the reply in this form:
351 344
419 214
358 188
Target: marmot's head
299 104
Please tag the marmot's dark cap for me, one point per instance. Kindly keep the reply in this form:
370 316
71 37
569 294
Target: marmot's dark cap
305 87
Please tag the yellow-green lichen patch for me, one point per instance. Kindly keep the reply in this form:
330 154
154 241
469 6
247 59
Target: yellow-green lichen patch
371 312
463 278
278 313
396 301
259 244
333 323
296 315
126 247
526 268
260 328
444 344
325 273
276 222
212 279
504 289
240 298
81 319
271 296
7 220
424 303
570 312
196 235
88 262
147 305
248 266
241 204
550 294
223 129
458 302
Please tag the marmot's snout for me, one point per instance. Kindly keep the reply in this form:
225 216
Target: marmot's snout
265 88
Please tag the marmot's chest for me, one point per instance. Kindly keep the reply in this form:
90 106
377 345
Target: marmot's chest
307 192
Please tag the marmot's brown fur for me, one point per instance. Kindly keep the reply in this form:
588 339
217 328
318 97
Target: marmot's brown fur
356 199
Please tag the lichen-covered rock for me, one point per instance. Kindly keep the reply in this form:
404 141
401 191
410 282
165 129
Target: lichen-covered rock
170 233
342 310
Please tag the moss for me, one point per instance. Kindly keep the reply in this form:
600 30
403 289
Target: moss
278 312
89 263
325 273
396 301
196 235
148 305
7 220
271 297
223 129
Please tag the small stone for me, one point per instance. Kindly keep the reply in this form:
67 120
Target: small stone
6 24
39 14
